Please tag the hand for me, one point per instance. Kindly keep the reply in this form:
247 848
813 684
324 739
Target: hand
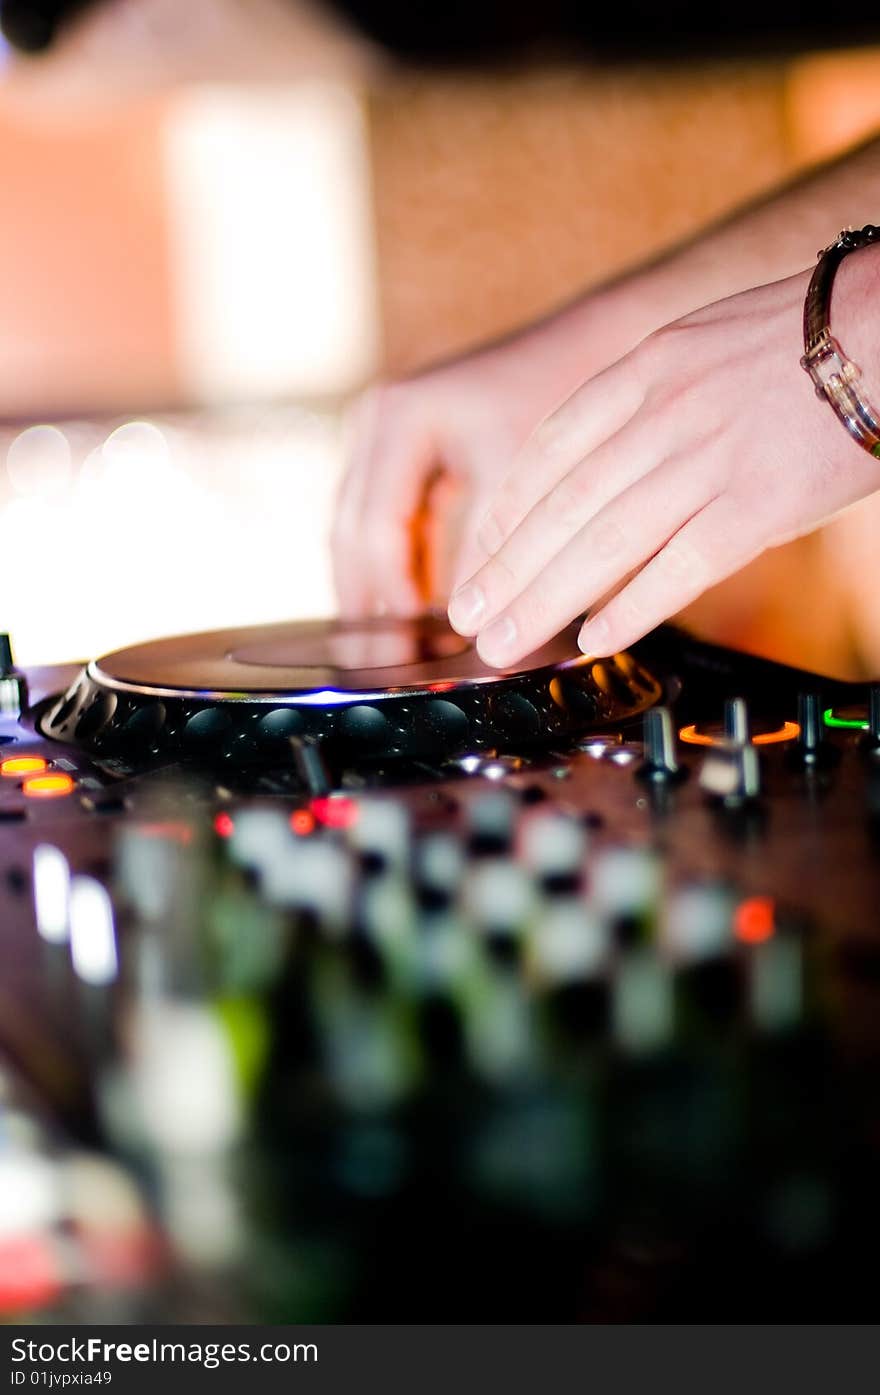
667 472
464 420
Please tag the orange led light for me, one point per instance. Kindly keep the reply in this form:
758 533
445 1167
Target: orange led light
48 786
22 765
302 822
755 920
787 732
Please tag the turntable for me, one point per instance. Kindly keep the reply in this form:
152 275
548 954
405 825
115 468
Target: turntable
504 964
364 692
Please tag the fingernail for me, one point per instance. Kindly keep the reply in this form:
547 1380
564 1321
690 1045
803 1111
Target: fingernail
495 641
594 634
466 607
489 534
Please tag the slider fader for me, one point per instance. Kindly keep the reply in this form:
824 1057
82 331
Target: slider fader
344 979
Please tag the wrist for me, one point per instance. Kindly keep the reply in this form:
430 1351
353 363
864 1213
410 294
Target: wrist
855 316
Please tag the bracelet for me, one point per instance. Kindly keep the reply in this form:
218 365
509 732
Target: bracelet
834 376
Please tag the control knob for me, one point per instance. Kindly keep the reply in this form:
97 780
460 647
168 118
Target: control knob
13 684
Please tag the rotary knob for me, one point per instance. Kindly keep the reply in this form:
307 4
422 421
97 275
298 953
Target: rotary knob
812 750
13 684
874 716
731 770
660 762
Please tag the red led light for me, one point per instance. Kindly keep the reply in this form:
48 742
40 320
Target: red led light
755 920
48 786
22 765
335 811
224 825
29 1274
302 822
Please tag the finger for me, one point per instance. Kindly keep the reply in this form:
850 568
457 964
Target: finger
379 507
469 555
711 546
621 537
596 412
555 519
349 578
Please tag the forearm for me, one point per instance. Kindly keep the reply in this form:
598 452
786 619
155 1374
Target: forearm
766 241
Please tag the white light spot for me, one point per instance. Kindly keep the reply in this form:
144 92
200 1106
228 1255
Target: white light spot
92 932
28 1194
51 893
137 448
38 462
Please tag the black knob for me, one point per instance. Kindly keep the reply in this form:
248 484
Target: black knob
736 720
13 685
874 714
310 765
812 750
731 772
659 737
810 723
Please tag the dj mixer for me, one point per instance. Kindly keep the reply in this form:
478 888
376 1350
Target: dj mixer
346 979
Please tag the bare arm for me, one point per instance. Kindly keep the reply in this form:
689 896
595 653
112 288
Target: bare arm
767 240
472 415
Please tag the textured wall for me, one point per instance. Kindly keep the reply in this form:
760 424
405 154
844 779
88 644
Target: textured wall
497 197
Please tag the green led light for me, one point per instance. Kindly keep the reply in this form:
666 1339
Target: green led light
846 723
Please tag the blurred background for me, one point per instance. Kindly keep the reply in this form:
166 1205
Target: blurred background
219 221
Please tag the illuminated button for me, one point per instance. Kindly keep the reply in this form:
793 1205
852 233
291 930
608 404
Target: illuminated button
335 811
692 736
48 786
22 765
224 826
302 822
755 920
842 722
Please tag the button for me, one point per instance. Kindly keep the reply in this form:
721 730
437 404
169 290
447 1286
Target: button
365 728
490 822
514 717
382 832
48 786
754 920
335 810
643 1006
280 725
208 727
15 766
101 802
553 846
441 726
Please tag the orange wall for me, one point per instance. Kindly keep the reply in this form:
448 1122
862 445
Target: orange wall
86 313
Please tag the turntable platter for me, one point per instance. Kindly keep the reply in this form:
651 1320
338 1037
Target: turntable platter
363 656
365 690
